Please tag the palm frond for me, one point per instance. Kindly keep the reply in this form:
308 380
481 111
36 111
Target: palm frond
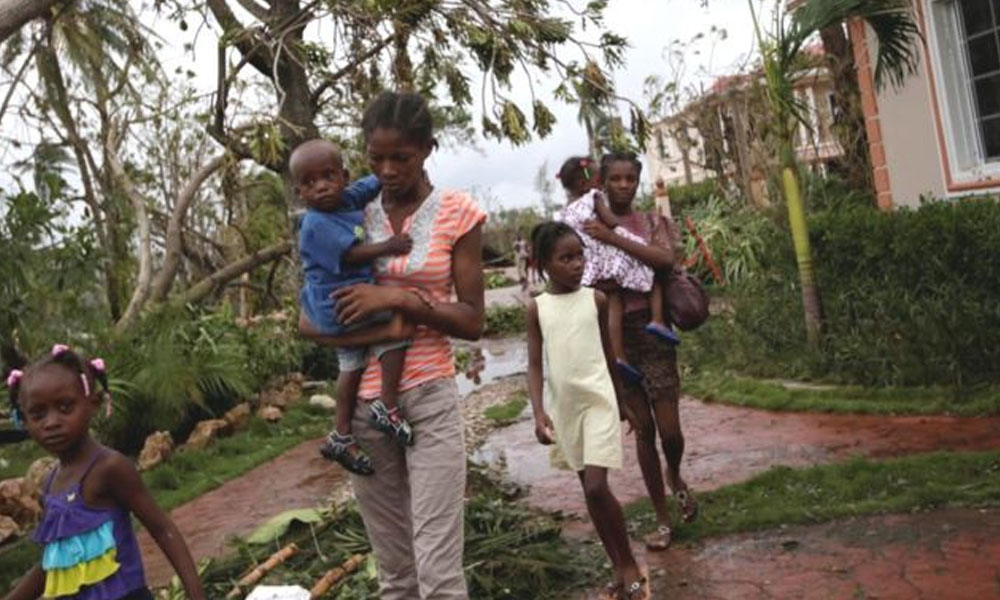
891 20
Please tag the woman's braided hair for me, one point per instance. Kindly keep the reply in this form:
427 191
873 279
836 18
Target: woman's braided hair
406 112
620 156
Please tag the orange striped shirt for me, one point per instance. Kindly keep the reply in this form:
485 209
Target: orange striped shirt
442 219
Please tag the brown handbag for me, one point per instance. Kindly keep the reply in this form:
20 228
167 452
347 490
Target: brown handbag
685 300
684 297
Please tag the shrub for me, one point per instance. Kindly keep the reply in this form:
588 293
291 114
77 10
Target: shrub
176 368
498 279
911 298
735 237
687 197
505 320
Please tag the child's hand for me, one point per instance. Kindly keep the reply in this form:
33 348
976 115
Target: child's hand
544 430
399 245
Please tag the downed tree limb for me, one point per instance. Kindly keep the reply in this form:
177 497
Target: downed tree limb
335 575
258 572
226 274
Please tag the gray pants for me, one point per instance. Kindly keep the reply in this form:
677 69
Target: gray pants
413 506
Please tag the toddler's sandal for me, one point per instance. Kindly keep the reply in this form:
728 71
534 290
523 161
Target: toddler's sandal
346 451
665 334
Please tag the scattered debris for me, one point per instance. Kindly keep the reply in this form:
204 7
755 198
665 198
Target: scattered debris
258 572
335 575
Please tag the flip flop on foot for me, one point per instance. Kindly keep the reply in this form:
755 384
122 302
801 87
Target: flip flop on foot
664 333
629 373
659 539
686 501
638 589
612 591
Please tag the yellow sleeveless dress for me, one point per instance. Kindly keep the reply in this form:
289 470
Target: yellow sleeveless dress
582 400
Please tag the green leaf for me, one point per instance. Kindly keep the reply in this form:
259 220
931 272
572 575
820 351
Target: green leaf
279 525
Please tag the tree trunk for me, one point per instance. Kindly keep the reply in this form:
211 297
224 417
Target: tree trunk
811 300
14 14
848 117
172 258
144 280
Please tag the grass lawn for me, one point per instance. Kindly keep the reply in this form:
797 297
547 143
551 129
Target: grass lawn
190 474
16 458
786 496
713 386
509 411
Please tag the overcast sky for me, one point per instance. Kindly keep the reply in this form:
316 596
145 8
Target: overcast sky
507 173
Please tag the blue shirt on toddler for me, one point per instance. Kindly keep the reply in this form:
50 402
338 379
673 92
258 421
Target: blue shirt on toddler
324 239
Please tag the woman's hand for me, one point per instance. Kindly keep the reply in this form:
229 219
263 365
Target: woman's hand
544 430
598 230
357 302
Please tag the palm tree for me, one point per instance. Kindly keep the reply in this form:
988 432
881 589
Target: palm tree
782 59
98 41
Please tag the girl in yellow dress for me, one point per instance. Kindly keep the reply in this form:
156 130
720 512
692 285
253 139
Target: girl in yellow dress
568 325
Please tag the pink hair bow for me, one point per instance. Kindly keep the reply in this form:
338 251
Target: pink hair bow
14 377
98 364
58 349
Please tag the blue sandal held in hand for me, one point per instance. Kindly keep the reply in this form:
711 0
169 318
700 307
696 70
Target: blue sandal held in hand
663 332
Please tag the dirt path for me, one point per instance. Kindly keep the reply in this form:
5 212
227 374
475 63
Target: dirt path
727 444
943 554
300 478
724 444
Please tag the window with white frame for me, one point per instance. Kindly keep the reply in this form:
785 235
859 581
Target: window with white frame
965 37
981 34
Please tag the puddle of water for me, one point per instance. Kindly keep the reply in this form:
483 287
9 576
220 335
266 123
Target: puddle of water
503 358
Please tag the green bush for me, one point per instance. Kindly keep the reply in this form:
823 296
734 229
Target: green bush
735 237
505 320
498 279
687 197
911 298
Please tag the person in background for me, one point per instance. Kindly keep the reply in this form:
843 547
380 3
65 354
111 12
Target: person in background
522 260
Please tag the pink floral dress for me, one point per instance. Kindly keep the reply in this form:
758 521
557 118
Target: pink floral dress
604 261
